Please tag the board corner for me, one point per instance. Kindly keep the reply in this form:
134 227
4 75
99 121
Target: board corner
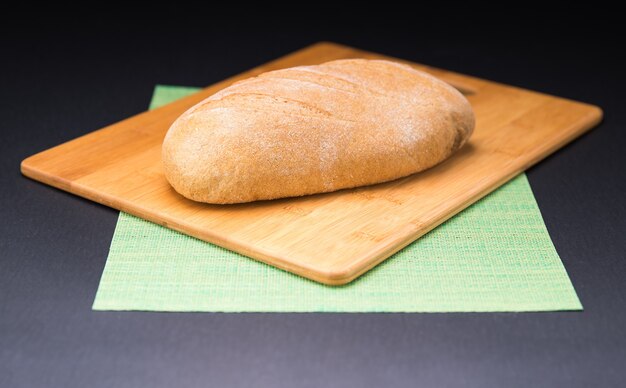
596 113
26 166
329 45
334 276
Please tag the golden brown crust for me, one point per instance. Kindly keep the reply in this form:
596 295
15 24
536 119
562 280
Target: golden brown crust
314 129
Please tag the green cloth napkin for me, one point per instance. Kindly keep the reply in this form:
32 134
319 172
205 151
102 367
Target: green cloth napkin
494 256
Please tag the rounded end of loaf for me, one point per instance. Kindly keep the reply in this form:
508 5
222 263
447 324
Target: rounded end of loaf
185 164
463 123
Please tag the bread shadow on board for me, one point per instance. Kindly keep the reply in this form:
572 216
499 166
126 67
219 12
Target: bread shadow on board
379 190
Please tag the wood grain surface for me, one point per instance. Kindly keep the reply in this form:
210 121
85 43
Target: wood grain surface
331 238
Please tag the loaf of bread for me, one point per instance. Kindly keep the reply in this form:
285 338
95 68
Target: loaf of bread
314 129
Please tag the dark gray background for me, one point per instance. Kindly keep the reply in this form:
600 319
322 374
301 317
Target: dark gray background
56 85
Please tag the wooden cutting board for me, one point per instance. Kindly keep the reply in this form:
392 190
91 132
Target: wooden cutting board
331 238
